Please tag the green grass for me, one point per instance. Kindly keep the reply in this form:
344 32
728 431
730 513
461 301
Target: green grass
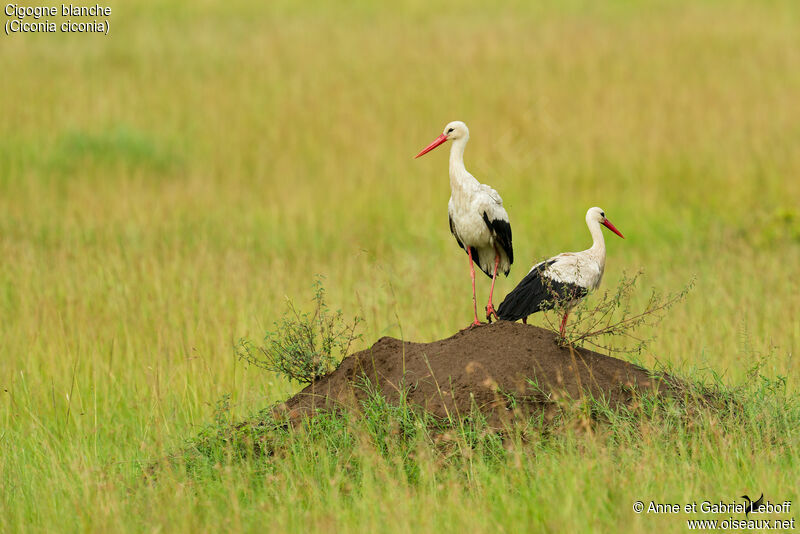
163 189
355 470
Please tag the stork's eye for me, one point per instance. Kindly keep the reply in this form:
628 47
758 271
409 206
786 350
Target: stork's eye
450 130
602 214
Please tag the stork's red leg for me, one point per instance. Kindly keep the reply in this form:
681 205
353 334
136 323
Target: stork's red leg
489 308
563 323
472 275
525 320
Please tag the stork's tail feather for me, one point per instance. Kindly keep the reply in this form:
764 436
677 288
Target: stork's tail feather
488 271
486 262
527 298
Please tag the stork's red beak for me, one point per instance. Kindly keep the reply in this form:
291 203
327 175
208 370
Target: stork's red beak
438 141
613 228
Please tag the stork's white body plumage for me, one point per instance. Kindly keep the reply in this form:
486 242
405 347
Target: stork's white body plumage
565 278
471 204
585 268
478 220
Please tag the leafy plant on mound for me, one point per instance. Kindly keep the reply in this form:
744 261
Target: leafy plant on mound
304 347
611 314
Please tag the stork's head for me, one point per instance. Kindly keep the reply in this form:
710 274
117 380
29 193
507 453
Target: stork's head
597 215
454 131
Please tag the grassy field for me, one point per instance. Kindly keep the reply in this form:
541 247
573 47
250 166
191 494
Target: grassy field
163 189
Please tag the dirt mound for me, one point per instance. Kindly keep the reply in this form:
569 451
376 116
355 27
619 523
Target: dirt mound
478 367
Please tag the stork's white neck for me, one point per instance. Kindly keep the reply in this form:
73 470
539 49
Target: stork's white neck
598 249
459 177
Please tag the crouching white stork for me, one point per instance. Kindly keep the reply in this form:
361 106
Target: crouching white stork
478 220
564 279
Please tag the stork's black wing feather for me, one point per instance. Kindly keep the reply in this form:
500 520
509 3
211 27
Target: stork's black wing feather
502 232
536 292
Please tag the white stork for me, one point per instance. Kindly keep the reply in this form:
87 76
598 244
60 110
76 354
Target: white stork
565 278
478 220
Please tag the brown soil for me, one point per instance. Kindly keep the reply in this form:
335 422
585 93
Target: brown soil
475 367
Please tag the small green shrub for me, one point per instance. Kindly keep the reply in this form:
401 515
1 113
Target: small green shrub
304 347
611 314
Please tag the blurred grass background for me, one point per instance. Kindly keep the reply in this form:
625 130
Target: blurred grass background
163 189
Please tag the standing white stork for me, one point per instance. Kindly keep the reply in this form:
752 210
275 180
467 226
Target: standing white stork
565 278
478 220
